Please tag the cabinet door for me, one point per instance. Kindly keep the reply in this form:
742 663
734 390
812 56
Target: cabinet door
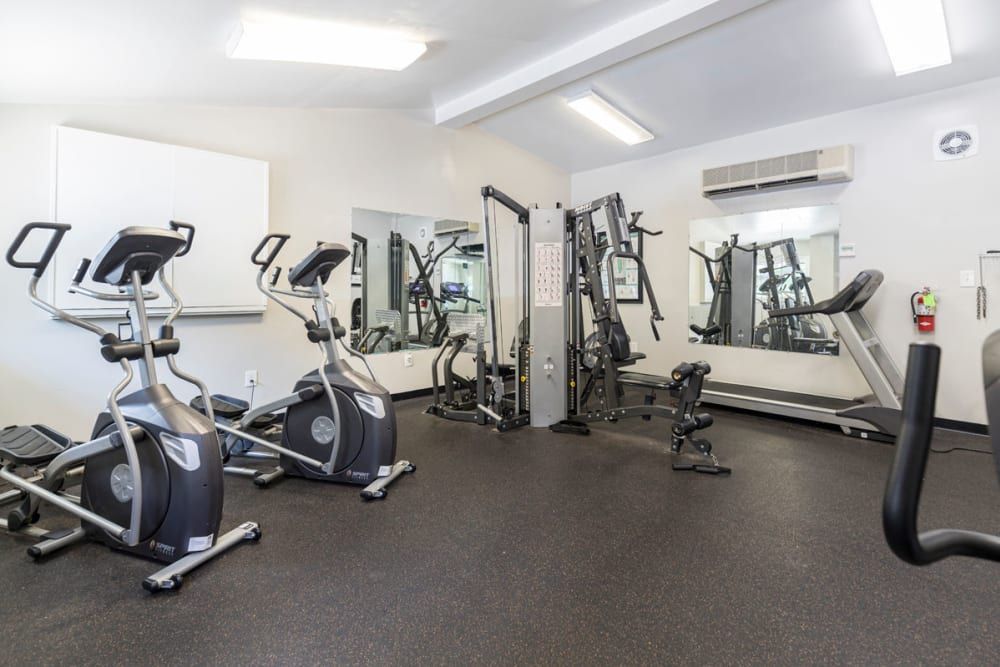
104 183
226 199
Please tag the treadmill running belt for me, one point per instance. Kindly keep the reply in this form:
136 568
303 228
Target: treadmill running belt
762 393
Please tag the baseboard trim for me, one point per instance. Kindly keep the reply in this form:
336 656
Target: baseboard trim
415 393
949 424
964 427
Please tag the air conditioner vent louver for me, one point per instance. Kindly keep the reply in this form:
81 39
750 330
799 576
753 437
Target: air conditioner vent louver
444 227
828 165
715 176
772 167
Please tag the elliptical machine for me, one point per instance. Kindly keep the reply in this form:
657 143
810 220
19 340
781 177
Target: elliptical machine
902 492
152 474
337 425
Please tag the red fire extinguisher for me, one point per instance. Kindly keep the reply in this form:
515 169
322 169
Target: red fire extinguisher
924 305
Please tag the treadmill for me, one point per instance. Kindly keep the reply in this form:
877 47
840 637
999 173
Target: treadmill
875 416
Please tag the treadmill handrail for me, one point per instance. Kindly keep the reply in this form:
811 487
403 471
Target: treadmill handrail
855 295
902 493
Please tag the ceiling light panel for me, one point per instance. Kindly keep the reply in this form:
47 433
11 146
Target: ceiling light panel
599 111
322 42
915 33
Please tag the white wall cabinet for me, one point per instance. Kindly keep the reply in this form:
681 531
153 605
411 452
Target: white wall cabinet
103 183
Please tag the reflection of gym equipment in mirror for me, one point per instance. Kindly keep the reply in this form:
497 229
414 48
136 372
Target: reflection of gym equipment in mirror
463 282
775 272
902 494
560 261
745 267
401 297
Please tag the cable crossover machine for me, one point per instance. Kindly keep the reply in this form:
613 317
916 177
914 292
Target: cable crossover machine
566 364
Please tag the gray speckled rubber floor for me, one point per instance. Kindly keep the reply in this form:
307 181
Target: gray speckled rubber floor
536 548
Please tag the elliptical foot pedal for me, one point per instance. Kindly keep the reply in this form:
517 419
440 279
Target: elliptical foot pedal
569 426
224 406
706 468
58 534
31 445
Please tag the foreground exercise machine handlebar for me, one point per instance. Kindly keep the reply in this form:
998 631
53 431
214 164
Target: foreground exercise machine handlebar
902 494
337 425
151 482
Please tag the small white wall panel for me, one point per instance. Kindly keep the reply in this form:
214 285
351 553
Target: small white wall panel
231 219
104 182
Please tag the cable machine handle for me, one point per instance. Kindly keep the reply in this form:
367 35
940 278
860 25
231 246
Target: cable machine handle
267 261
59 230
188 228
633 225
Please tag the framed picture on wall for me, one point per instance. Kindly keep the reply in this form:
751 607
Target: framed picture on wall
628 286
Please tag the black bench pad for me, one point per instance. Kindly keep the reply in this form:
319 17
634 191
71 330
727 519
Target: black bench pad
647 381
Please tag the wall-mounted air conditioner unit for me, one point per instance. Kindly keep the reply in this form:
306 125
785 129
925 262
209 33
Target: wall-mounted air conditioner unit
447 227
819 167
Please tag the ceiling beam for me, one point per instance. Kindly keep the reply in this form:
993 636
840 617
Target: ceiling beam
608 46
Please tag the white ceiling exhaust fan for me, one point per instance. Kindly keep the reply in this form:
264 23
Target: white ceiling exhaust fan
956 143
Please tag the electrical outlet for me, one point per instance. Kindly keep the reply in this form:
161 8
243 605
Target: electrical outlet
967 278
250 379
407 359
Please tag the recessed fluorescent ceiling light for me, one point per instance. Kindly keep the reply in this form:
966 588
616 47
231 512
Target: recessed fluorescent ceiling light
915 33
322 42
599 111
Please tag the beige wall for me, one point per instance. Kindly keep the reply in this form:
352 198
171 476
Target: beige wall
323 163
917 220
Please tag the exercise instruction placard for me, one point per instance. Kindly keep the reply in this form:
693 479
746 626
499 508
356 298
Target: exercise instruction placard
548 275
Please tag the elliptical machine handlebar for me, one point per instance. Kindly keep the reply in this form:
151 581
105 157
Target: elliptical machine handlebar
267 261
268 284
902 493
59 231
454 242
188 228
39 267
81 271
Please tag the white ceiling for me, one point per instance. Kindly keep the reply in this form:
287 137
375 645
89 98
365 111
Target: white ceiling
784 61
173 51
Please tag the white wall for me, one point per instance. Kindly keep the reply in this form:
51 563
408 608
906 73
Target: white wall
323 163
917 220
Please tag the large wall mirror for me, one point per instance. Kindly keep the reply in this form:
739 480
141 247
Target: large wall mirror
410 273
755 276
